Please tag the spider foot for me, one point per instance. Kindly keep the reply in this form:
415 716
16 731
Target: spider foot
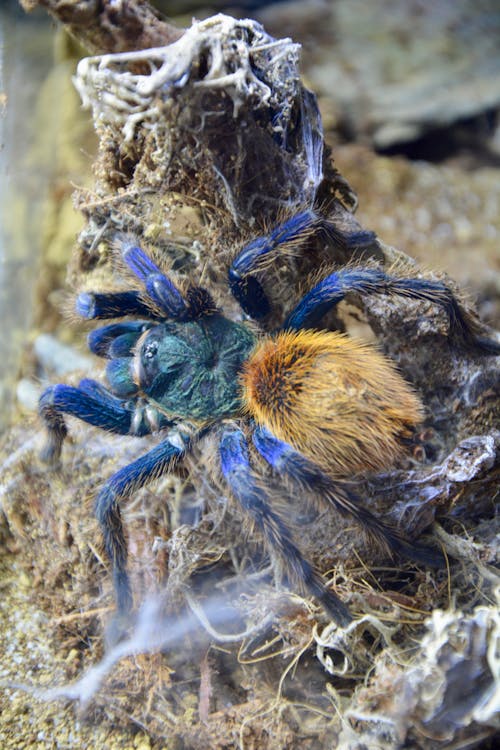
55 426
332 605
117 629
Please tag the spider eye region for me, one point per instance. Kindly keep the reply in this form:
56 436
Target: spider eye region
191 369
150 350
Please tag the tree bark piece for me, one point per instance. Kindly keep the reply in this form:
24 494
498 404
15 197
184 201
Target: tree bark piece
103 26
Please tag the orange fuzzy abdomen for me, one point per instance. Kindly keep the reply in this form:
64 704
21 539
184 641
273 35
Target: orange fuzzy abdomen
336 400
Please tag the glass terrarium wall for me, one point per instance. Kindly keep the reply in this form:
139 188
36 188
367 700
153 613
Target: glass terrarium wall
47 143
25 59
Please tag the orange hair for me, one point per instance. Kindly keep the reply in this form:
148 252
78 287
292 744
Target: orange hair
336 400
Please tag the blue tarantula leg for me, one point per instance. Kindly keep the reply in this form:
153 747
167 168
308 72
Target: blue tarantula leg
249 294
117 339
120 486
195 303
244 287
159 287
296 228
145 419
91 403
336 494
236 470
248 291
99 306
331 290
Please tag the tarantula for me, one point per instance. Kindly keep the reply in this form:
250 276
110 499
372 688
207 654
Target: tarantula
318 405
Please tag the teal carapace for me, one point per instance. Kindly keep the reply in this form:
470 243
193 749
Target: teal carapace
192 369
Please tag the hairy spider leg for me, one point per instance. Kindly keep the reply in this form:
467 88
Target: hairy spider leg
245 287
312 129
236 470
97 391
117 339
329 493
105 305
159 287
145 418
331 290
196 301
158 461
94 404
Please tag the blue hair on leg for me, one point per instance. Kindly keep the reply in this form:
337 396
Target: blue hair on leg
106 414
244 287
337 494
356 242
99 393
248 291
166 295
330 291
248 258
152 465
249 294
159 287
293 229
236 470
333 289
101 341
144 418
101 306
91 403
136 259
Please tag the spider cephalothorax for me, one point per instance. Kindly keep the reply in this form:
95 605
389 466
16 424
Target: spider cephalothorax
191 369
319 406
